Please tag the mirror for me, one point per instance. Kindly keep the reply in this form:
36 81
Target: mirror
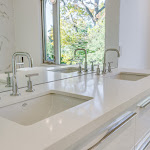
21 30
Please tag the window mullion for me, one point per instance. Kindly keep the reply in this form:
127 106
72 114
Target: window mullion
43 30
56 29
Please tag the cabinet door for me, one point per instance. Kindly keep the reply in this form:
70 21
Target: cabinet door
119 136
143 121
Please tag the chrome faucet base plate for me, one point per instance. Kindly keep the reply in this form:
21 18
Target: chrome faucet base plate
104 72
18 94
30 90
85 70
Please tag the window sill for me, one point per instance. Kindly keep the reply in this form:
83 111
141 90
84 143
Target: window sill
51 65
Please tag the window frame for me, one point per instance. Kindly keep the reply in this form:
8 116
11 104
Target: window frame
56 31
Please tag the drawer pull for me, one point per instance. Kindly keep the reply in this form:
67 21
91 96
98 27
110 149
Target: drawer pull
114 128
145 145
144 103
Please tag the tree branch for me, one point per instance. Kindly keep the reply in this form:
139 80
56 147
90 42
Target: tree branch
101 9
70 16
96 8
88 11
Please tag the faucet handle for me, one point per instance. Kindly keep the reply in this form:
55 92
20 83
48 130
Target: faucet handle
8 72
98 69
92 65
21 65
109 66
80 67
32 75
9 79
29 83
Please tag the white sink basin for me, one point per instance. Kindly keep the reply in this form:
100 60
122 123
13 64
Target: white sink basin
34 110
129 76
65 70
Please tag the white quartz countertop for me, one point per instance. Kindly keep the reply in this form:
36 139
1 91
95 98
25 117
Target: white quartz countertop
110 96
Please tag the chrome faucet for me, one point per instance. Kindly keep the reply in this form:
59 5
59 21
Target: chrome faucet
108 50
15 91
85 67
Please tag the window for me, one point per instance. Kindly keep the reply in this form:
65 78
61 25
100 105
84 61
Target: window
72 24
48 36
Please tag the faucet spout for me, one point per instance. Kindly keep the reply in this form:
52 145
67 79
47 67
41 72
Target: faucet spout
14 82
81 49
105 53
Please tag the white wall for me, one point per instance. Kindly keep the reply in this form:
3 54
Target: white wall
20 30
135 34
6 34
27 16
112 23
112 29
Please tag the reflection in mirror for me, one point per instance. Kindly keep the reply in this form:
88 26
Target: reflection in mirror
20 30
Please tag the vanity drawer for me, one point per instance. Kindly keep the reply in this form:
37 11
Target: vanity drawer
142 119
121 138
119 134
144 144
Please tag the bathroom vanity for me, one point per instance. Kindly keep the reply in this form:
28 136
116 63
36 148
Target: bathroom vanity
86 112
56 107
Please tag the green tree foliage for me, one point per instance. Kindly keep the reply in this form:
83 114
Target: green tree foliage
82 25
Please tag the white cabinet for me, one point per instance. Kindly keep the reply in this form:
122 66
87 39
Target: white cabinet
120 138
144 144
117 135
142 136
130 131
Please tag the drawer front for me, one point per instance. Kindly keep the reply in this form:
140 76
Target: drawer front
142 119
122 139
144 143
119 136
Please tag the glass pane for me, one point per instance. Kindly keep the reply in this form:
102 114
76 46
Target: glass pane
82 25
49 49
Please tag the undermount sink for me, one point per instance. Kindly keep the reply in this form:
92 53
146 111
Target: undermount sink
39 108
129 76
65 70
